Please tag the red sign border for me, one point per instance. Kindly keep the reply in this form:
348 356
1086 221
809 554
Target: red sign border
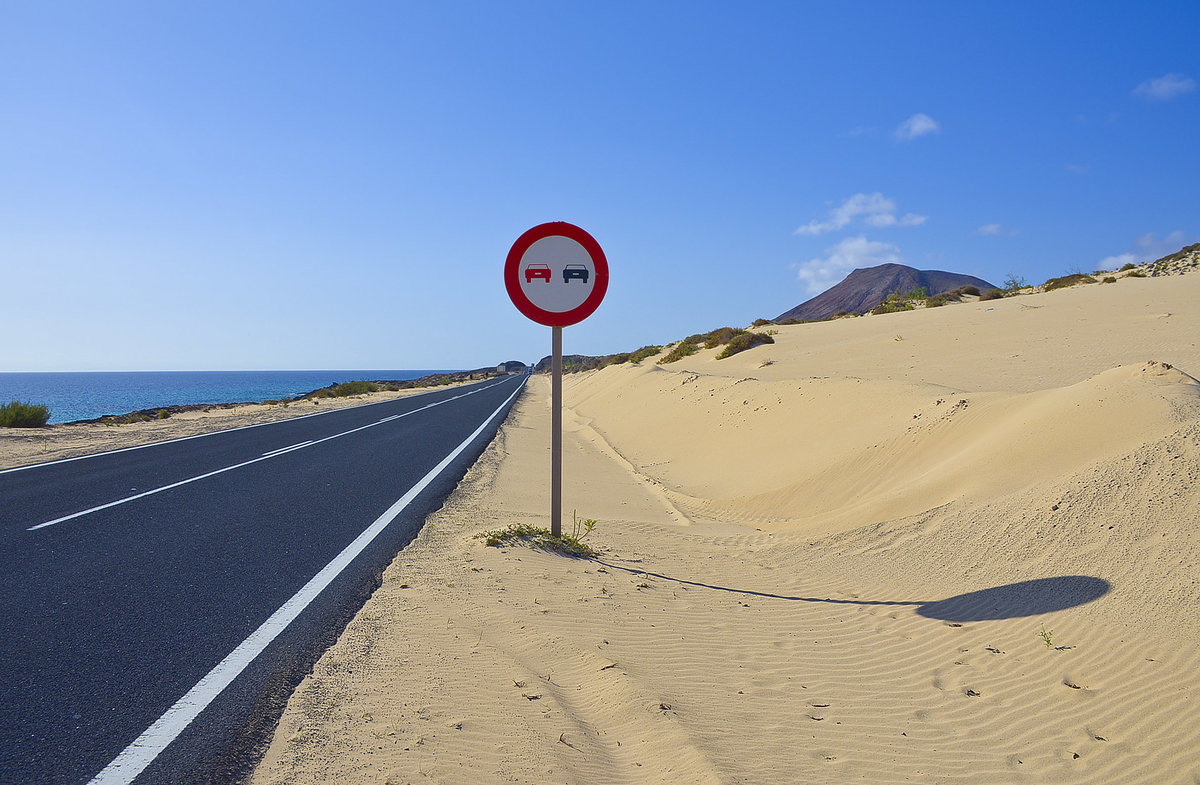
512 280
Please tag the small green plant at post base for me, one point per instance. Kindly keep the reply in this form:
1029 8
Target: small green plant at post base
542 539
23 415
1047 637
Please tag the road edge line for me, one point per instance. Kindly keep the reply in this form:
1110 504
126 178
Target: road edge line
134 759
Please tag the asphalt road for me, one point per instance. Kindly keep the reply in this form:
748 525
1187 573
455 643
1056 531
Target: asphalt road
159 604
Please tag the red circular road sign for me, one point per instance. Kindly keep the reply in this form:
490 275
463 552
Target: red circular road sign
556 274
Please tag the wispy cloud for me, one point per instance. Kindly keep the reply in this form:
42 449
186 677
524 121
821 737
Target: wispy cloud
1164 88
916 126
873 209
996 230
1146 248
819 274
1078 168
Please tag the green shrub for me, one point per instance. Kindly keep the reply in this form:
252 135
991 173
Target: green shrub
891 306
643 353
721 336
1068 280
991 294
1109 279
346 389
743 341
1136 274
969 289
1127 266
761 322
23 415
681 350
162 414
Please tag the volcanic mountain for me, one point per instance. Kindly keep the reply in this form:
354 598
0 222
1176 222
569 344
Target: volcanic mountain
867 287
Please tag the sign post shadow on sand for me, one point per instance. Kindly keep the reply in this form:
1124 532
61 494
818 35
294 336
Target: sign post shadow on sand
556 274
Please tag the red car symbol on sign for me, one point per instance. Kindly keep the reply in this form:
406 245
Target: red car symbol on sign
537 271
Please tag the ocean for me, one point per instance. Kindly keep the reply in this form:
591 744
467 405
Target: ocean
83 396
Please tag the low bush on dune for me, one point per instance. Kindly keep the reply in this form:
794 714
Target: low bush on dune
681 350
1067 280
742 342
992 294
23 415
644 353
1109 279
720 336
762 322
1127 266
1136 274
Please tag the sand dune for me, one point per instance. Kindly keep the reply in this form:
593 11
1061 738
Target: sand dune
834 567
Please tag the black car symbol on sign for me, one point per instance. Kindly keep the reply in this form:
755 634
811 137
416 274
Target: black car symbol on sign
575 271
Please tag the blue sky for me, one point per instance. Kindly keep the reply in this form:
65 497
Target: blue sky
285 185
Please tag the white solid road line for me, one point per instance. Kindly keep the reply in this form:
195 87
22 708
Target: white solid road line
142 752
263 457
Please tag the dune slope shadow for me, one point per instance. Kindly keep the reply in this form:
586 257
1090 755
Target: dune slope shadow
1013 600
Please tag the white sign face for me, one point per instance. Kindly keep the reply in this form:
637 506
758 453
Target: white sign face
557 274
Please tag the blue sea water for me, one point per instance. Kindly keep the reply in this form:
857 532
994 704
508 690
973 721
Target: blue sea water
83 396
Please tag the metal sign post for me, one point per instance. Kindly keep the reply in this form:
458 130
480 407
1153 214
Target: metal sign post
557 275
556 434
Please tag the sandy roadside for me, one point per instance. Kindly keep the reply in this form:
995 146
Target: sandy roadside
24 446
831 559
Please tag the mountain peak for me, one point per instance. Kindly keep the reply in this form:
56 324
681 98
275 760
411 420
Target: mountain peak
867 287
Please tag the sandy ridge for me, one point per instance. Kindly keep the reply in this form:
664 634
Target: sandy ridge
826 560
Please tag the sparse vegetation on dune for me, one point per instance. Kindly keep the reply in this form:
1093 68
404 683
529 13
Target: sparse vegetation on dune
681 350
1067 280
734 339
742 342
644 353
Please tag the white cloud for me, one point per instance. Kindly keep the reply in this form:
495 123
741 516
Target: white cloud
996 230
1147 248
874 210
916 126
819 274
1164 88
1158 248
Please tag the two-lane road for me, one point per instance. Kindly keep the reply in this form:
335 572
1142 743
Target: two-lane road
160 603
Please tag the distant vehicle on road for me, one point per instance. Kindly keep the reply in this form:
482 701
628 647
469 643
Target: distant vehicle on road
574 271
539 271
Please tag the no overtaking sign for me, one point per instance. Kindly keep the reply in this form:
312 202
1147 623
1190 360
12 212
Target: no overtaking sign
556 274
